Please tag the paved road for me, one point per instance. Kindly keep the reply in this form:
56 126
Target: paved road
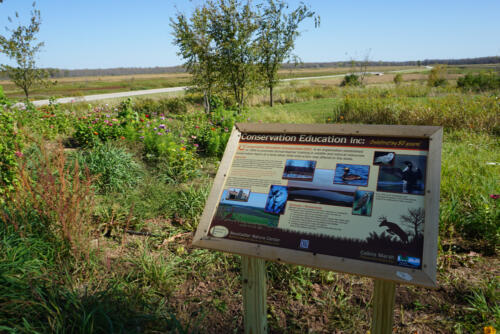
97 97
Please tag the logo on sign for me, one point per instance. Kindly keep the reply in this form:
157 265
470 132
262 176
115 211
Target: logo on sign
304 243
409 261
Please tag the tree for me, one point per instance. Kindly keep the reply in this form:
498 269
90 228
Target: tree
277 32
195 42
415 219
22 47
218 44
233 25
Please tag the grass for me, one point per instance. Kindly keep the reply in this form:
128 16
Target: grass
155 281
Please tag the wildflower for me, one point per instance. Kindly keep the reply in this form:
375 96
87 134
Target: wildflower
147 116
194 137
182 148
96 133
213 129
495 196
162 118
197 126
162 126
122 137
226 129
248 119
489 330
341 117
141 137
19 154
108 115
155 128
196 145
159 134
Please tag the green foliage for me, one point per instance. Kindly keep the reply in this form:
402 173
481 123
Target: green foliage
479 82
466 186
398 79
175 105
115 169
350 80
21 47
453 111
98 126
437 76
10 146
277 31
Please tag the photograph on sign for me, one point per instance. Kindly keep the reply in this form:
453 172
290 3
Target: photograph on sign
360 197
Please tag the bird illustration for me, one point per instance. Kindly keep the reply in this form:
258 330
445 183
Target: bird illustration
384 159
394 229
410 177
362 202
349 177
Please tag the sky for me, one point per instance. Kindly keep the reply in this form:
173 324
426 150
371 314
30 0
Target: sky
132 33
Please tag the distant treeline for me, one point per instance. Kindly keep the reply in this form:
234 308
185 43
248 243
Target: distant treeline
63 73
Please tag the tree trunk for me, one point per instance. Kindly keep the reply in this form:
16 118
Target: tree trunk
271 96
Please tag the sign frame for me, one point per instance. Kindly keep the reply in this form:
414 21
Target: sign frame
426 276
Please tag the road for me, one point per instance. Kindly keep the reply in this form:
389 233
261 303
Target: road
90 98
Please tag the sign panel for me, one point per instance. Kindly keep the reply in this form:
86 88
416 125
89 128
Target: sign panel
360 199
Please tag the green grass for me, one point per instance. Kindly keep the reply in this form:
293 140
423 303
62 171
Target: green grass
156 282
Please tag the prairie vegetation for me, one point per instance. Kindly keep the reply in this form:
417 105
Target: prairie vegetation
99 204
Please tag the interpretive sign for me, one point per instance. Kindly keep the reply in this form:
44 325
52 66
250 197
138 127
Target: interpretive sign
353 198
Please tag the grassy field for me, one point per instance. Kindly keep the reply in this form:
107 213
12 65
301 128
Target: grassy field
81 86
97 222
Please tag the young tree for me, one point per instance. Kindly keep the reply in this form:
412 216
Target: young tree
233 25
195 42
218 44
277 31
22 47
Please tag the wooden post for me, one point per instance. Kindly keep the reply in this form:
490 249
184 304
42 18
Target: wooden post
254 295
384 294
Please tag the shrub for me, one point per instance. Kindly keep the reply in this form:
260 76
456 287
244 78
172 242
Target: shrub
175 105
114 168
350 80
437 76
479 82
398 79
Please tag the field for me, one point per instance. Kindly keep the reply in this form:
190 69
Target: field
99 204
80 86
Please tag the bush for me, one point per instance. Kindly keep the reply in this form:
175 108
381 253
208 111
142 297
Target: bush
479 82
115 169
437 76
398 79
350 80
175 105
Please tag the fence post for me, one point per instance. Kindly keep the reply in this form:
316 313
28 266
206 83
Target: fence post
384 294
253 272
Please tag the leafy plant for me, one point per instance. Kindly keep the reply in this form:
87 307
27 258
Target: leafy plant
350 80
479 82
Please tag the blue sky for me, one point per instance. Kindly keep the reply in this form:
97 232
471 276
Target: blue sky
131 33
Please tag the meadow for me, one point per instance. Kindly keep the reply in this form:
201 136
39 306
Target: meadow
89 85
99 204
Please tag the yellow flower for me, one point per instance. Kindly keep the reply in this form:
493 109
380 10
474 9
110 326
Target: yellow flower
489 330
183 148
